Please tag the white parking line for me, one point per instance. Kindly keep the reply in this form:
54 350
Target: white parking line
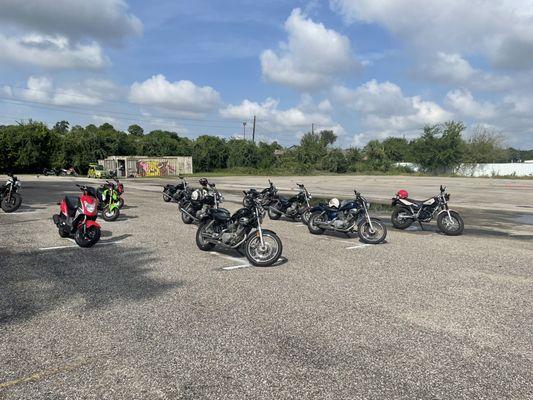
236 267
54 248
357 247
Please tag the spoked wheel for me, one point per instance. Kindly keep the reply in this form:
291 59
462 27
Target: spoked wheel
201 242
110 215
452 225
187 219
120 202
374 234
273 214
87 237
11 205
312 225
305 216
398 218
266 254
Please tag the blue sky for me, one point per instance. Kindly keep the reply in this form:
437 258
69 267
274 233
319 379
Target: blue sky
363 68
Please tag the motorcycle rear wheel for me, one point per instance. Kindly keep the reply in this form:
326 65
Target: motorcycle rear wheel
186 218
12 205
89 238
263 255
400 223
311 225
274 215
166 199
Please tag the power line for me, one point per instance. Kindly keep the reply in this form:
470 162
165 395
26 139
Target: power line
66 93
92 113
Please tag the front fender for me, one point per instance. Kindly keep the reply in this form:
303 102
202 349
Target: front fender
90 224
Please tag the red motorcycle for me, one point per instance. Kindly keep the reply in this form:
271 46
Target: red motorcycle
120 190
77 217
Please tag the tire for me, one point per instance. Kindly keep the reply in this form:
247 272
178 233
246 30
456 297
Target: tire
88 240
376 236
185 218
110 215
166 199
273 214
263 257
200 242
451 229
12 205
400 223
305 216
120 202
311 225
63 233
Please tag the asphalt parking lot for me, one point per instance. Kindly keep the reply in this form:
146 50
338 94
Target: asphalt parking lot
146 315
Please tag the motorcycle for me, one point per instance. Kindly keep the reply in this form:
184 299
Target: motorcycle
296 207
347 217
10 199
175 193
241 231
120 191
194 205
77 216
108 201
50 172
406 211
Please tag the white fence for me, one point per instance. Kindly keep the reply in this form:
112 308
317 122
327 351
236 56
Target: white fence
497 169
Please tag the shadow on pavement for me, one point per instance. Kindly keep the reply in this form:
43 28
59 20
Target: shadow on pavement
35 282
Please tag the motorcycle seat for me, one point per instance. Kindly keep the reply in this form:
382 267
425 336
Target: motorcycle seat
283 200
419 202
330 209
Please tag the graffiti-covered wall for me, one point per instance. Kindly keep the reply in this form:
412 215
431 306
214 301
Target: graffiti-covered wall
164 167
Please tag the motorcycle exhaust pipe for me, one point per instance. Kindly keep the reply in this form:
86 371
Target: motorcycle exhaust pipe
190 215
167 195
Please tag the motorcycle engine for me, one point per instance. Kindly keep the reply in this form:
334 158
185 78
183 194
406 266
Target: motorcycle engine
425 214
231 234
342 221
292 209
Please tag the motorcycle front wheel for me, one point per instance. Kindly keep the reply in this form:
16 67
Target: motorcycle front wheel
87 238
200 241
452 225
266 254
13 204
110 215
305 216
374 234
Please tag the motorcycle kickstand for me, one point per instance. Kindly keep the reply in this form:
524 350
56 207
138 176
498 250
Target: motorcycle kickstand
421 226
239 250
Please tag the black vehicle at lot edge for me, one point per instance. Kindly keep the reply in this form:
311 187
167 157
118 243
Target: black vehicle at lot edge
10 199
407 211
349 217
175 193
296 207
241 231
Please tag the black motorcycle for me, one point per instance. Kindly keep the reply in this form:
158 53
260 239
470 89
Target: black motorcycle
175 193
241 231
50 172
267 196
296 207
407 211
10 199
349 217
194 205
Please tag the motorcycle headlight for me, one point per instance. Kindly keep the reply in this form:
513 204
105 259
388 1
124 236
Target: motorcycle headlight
90 207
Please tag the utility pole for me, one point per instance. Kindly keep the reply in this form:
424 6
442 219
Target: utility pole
244 129
313 129
253 132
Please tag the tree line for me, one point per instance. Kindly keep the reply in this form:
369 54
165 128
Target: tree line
32 146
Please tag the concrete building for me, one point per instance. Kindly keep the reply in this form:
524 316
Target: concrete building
127 166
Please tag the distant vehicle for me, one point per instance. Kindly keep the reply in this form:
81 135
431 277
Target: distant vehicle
96 171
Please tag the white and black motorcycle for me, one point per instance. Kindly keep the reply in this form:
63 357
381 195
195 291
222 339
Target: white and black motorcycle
10 199
406 211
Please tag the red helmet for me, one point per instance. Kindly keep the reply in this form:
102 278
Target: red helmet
402 194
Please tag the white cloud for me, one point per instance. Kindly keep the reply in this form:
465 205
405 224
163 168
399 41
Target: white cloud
454 69
180 96
51 52
500 30
387 111
294 120
41 89
312 57
107 20
464 103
